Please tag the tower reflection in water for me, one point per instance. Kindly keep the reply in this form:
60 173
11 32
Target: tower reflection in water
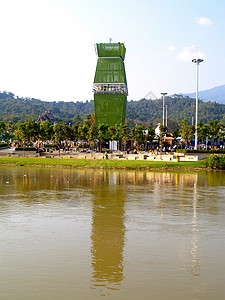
195 230
108 231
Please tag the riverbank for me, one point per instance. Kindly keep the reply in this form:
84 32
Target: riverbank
103 163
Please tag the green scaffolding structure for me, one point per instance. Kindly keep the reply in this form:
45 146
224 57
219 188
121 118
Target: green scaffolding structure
110 84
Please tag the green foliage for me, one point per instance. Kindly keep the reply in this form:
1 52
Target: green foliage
46 131
216 161
203 131
151 134
124 132
186 131
178 109
88 132
62 132
212 151
25 149
163 130
102 163
27 131
90 128
215 129
18 109
119 132
2 127
137 133
83 131
113 133
75 131
103 132
2 145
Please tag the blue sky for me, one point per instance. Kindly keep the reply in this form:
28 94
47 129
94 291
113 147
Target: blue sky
47 46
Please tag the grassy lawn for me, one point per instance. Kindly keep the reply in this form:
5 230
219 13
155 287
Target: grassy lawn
101 163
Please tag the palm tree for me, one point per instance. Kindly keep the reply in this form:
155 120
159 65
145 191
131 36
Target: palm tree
103 134
150 135
203 130
137 133
215 130
124 134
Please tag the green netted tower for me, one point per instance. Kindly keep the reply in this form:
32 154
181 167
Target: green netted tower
110 84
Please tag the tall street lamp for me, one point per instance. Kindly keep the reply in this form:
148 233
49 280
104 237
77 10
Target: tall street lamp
163 94
197 62
166 115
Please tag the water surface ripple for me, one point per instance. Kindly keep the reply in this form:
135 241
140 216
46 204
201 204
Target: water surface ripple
87 234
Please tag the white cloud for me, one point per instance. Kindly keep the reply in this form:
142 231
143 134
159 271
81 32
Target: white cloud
171 48
204 21
187 55
189 47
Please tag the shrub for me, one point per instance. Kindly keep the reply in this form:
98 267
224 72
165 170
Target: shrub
25 149
200 151
216 161
50 146
3 145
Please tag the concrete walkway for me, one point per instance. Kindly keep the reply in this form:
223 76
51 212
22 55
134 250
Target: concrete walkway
119 155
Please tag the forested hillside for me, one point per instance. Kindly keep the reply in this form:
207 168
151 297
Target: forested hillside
179 108
21 109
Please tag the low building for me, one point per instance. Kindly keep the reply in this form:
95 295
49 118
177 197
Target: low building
168 139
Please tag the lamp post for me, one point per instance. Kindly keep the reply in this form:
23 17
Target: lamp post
163 94
197 62
166 115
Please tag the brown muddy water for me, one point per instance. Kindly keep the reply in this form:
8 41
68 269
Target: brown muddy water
92 234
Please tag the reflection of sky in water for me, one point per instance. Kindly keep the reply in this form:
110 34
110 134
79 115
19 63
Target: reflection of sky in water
121 234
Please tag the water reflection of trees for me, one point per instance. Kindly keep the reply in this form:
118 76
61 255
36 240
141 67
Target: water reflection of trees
32 184
29 179
167 194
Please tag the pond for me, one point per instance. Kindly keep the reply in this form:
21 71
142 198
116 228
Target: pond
88 234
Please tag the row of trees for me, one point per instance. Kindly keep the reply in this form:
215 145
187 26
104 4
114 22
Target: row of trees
211 130
88 132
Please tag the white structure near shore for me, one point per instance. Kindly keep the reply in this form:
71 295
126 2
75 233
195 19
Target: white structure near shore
151 156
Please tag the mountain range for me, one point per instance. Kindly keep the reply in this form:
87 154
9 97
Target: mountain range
215 94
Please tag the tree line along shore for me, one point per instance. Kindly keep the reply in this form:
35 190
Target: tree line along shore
87 135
